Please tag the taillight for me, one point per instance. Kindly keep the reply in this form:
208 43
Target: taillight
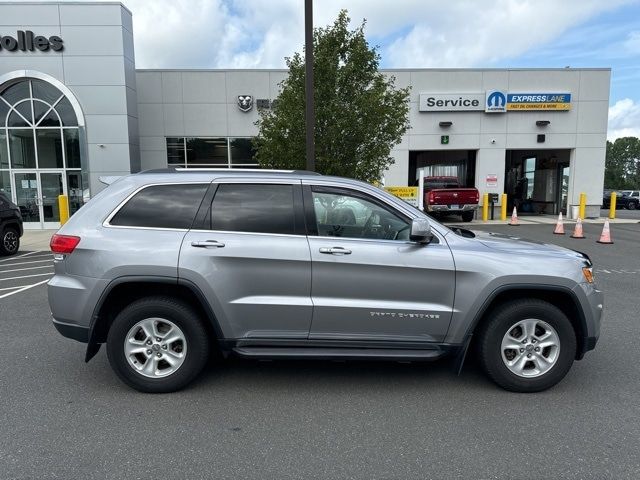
64 243
432 197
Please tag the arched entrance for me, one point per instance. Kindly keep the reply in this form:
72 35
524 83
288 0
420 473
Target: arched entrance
41 154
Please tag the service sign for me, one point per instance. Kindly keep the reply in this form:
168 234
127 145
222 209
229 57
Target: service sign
408 194
451 102
539 101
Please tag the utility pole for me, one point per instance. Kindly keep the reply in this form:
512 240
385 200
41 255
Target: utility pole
310 119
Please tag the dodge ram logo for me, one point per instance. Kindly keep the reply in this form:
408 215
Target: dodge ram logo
245 102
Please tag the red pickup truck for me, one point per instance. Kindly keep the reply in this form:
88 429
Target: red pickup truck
444 196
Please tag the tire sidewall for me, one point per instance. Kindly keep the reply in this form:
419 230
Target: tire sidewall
504 319
179 314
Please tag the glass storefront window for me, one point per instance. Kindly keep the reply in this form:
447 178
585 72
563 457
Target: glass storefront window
22 148
49 143
175 152
203 152
72 147
4 154
39 130
241 151
5 183
206 152
75 191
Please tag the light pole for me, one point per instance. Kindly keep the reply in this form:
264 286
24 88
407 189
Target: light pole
310 119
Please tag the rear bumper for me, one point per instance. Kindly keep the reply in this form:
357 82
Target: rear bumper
448 209
73 298
75 332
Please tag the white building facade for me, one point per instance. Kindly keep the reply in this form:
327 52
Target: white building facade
74 108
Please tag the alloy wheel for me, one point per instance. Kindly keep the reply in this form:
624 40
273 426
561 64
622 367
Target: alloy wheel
155 347
530 348
10 241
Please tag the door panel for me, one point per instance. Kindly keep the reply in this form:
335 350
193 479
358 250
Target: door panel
259 285
251 259
381 289
369 280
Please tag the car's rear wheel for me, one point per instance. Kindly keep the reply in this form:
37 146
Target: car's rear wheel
467 216
632 205
10 241
527 345
157 345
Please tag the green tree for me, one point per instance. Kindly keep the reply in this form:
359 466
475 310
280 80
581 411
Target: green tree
622 164
360 114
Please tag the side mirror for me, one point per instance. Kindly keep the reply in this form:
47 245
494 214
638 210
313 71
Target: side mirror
420 231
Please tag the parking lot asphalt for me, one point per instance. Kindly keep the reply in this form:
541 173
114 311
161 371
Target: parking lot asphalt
62 418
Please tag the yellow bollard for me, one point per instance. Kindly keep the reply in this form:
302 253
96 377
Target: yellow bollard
63 206
485 207
583 205
612 206
503 208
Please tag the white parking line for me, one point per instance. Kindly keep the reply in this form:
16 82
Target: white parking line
20 256
11 288
26 263
26 276
22 289
23 269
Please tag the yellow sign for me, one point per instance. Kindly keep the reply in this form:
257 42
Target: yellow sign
408 194
538 106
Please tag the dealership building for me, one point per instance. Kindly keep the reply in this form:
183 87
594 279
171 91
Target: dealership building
74 108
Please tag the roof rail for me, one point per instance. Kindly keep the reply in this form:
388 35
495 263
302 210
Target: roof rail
227 170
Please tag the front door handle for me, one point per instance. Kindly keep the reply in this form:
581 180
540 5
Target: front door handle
208 244
335 250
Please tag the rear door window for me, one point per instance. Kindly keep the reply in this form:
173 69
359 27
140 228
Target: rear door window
162 206
254 208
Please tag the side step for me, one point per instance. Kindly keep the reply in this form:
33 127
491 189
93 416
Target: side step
339 353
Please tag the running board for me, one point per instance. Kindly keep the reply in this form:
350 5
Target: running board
339 353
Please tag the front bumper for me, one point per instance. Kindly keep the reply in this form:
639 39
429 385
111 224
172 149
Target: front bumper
592 301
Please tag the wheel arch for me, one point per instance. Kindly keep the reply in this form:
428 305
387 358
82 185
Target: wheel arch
122 291
562 297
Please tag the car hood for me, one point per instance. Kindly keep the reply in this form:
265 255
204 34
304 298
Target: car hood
516 244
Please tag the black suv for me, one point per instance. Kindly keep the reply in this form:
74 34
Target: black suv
10 226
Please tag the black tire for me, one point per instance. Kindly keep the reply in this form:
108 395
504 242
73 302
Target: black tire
503 318
632 205
181 315
467 216
10 241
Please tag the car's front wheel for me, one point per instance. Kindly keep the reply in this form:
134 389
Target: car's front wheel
527 345
157 345
632 205
10 241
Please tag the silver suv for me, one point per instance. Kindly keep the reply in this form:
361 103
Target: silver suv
166 266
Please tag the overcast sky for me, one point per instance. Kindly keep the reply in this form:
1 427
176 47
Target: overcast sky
410 33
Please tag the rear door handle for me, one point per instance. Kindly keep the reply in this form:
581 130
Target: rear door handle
208 244
335 250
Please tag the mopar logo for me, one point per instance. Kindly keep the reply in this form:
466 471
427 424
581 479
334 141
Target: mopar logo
496 101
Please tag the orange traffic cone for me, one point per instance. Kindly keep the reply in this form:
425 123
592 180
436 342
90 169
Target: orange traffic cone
577 232
514 218
605 237
559 230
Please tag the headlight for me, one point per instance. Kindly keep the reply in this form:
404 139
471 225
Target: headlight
588 274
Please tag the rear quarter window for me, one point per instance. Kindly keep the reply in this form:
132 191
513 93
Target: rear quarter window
161 206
